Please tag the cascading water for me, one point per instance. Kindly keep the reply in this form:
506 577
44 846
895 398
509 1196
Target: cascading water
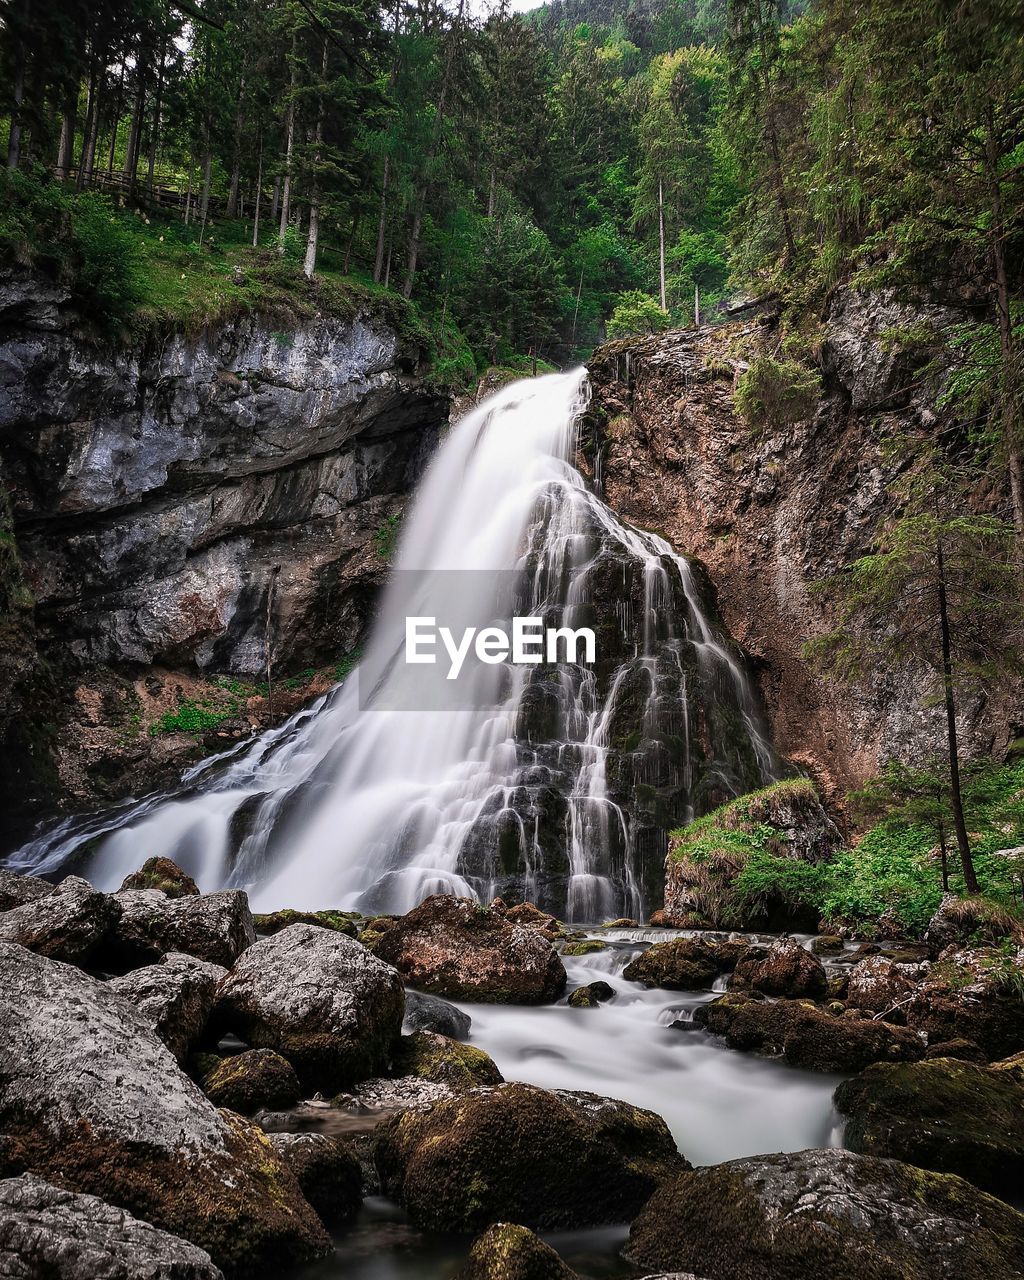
554 783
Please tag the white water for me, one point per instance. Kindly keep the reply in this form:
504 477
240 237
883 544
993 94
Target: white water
367 803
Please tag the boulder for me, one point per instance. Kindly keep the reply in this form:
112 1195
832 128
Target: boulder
877 985
584 947
532 917
16 891
826 1213
783 969
71 923
162 874
48 1232
966 1050
684 964
273 922
943 1114
590 996
327 1171
91 1095
972 995
213 926
425 1012
175 996
1013 1067
961 922
540 1158
507 1251
806 1035
454 947
429 1056
252 1081
321 999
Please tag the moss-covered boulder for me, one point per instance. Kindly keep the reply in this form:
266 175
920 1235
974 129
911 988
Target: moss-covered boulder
943 1114
585 947
457 948
328 1172
517 1152
709 863
878 985
252 1081
162 874
805 1034
592 995
318 997
683 964
826 1213
507 1251
273 922
963 922
1012 1066
430 1056
783 969
973 994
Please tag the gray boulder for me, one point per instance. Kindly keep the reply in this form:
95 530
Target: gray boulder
90 1094
424 1012
329 1174
318 997
176 996
16 890
211 926
71 923
59 1235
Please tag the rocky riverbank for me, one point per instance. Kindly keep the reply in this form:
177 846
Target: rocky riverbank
204 1028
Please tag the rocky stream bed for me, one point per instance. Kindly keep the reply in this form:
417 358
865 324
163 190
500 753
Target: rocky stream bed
483 1092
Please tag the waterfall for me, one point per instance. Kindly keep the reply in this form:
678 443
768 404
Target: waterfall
555 783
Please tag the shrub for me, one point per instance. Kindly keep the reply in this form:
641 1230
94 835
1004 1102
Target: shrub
776 393
636 315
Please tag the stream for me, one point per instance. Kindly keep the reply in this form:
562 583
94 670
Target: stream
640 1047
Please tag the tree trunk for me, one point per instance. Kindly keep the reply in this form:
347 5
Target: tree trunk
131 159
696 306
154 141
92 124
204 199
236 154
661 242
115 123
944 855
357 218
313 239
382 220
66 147
256 195
956 793
286 191
17 98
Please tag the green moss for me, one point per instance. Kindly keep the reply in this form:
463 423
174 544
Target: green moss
776 393
430 1056
585 948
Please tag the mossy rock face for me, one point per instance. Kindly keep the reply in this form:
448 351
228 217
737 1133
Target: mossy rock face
507 1251
251 1081
806 1035
162 874
457 948
827 945
943 1114
585 948
517 1152
826 1213
592 995
1013 1067
275 921
877 985
967 996
328 1172
683 964
783 969
430 1056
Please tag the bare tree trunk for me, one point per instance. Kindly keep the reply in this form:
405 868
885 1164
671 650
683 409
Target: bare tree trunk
236 154
275 200
257 194
286 186
17 98
378 262
66 146
313 239
952 742
661 242
204 199
357 218
92 124
188 196
696 306
131 159
154 141
115 123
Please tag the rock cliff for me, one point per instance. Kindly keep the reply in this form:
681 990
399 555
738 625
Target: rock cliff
195 504
773 511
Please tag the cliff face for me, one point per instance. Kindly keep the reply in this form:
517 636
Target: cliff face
194 504
772 512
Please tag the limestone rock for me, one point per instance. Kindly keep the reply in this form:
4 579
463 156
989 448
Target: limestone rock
327 1171
424 1012
176 996
252 1081
162 874
783 969
17 890
683 964
213 926
72 923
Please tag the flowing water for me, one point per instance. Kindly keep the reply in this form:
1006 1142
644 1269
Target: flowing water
554 783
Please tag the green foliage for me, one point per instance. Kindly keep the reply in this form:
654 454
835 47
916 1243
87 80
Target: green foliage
385 537
192 717
776 393
636 314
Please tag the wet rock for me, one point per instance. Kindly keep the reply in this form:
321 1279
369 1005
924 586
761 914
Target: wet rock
972 995
877 985
162 874
402 1093
965 1050
275 921
176 996
454 947
806 1035
585 947
72 923
90 1095
532 917
430 1056
783 969
325 1002
425 1012
213 926
49 1232
623 922
947 1115
826 1213
251 1081
1013 1067
590 996
16 891
961 922
327 1171
684 964
543 1159
507 1251
827 945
